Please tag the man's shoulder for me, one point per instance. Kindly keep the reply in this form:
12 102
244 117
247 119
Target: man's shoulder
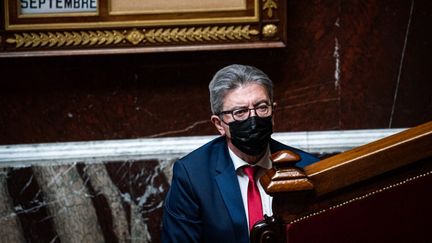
204 153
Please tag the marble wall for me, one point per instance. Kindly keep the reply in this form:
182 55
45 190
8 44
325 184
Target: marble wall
83 202
347 65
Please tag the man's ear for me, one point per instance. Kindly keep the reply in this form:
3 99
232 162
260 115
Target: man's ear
217 122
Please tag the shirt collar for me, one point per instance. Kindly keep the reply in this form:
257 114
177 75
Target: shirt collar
264 162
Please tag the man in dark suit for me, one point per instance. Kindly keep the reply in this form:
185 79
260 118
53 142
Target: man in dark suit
213 197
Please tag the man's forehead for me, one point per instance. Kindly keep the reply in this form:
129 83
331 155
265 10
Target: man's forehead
246 95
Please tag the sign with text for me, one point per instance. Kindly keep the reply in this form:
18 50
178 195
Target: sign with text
57 6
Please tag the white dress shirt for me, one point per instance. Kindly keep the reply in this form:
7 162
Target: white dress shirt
243 180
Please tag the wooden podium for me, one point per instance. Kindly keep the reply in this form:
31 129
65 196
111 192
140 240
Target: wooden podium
379 192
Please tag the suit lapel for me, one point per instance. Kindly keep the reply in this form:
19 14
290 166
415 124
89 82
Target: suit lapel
231 194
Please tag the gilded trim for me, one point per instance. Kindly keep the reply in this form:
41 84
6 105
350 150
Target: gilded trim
119 24
58 39
269 5
136 23
55 15
363 196
134 36
200 34
269 30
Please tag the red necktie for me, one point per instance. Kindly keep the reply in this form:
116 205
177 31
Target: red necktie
254 199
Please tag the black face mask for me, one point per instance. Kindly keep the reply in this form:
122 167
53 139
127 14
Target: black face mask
252 135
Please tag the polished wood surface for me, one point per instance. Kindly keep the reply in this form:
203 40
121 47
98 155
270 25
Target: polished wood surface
285 176
371 160
351 174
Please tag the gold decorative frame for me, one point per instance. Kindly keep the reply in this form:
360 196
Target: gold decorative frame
256 24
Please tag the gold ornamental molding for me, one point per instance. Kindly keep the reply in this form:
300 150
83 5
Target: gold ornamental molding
51 39
269 30
269 5
134 36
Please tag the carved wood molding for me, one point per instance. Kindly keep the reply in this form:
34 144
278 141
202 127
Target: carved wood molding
285 176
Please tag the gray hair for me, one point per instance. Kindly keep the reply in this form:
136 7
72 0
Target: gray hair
233 77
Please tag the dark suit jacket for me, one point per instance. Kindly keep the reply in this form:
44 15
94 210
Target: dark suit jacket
204 203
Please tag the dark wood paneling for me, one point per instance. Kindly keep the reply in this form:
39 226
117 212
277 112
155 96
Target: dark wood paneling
49 99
